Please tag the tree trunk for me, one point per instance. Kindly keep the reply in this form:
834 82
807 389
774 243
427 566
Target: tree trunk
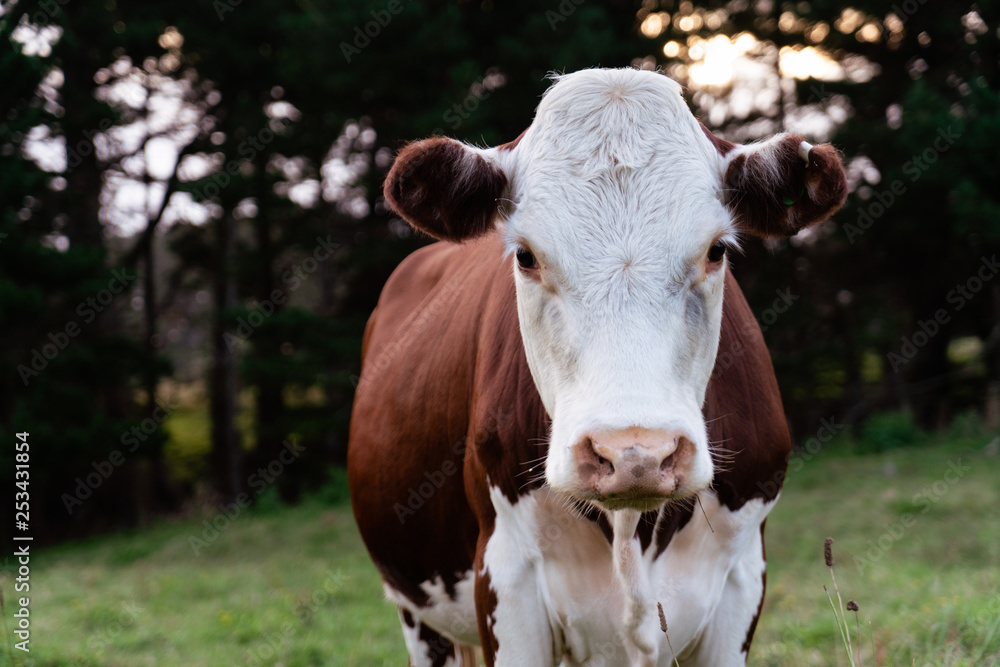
226 449
991 338
270 424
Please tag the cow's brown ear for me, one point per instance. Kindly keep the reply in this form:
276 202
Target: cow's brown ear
445 188
777 187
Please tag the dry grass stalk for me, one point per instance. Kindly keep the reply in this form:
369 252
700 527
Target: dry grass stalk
845 632
663 627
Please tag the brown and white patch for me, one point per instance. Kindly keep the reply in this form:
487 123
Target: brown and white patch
779 186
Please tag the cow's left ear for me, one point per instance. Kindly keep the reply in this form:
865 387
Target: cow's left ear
779 186
445 188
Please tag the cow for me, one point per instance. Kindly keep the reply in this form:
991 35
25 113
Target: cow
567 414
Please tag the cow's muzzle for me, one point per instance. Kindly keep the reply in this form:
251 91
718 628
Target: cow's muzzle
634 468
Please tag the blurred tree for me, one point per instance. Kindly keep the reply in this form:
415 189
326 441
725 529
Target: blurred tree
912 91
923 223
262 194
69 365
276 121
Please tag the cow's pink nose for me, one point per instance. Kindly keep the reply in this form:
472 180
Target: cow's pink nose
633 464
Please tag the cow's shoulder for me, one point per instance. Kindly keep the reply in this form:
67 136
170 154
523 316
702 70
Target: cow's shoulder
427 318
415 284
411 419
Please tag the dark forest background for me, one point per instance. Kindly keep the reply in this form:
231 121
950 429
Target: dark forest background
192 233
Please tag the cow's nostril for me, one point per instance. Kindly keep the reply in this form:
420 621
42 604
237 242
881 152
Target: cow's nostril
631 464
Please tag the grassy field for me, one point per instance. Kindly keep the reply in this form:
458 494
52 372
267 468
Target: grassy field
917 545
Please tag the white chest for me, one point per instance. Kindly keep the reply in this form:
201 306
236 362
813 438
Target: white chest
589 608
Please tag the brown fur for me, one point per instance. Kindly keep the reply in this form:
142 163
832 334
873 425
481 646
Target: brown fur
486 604
721 145
441 188
511 145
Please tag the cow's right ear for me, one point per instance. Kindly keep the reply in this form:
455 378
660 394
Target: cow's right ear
445 188
779 186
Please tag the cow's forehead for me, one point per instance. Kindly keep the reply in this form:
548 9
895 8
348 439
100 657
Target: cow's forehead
599 120
615 158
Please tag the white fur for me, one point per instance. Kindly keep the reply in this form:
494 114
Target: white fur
804 149
513 560
617 192
565 595
423 654
452 616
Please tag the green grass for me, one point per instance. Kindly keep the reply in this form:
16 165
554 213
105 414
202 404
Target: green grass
294 585
917 546
290 586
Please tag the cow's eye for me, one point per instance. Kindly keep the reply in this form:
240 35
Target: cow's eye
717 252
526 260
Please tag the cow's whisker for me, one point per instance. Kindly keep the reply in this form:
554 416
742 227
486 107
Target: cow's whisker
715 419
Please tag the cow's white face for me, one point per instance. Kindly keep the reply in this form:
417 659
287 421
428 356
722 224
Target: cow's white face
615 234
617 209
